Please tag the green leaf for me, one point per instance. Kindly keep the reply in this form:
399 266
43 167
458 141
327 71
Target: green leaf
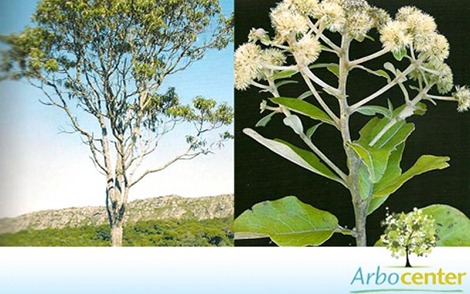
375 160
424 164
390 105
389 66
334 69
295 123
373 110
375 203
282 83
284 74
453 227
421 109
384 74
296 155
288 222
322 65
312 130
392 171
304 108
312 160
396 135
265 120
364 183
305 95
399 54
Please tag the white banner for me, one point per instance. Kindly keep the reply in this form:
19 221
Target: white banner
231 270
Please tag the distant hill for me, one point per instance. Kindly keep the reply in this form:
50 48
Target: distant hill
151 209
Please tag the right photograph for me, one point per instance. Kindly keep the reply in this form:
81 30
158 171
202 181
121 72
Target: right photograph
352 125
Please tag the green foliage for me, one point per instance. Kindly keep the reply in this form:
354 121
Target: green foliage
399 54
374 159
414 232
288 222
129 47
372 110
424 164
392 172
69 28
383 158
396 135
265 120
303 108
303 158
185 232
452 225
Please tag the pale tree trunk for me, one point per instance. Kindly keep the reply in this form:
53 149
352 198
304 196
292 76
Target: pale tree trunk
116 217
115 207
116 235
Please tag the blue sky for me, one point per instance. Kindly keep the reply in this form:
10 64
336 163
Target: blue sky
42 169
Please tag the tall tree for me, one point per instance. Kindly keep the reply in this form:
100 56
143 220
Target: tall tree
103 61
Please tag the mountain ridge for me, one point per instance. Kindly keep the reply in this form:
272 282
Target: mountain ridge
155 208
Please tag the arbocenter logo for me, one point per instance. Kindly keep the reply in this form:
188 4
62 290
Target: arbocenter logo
407 234
405 279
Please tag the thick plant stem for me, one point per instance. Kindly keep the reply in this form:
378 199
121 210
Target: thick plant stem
360 205
360 213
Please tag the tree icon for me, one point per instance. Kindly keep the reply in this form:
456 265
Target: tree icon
405 234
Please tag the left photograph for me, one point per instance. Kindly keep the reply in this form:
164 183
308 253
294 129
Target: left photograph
116 119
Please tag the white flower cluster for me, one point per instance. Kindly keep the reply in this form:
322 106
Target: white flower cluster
307 7
394 36
463 97
444 79
296 36
247 65
331 15
273 57
250 62
288 22
354 17
306 50
414 27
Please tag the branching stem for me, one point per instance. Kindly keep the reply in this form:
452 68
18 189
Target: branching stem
369 57
406 112
387 87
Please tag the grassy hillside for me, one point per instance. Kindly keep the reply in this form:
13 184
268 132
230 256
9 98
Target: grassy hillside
170 232
159 208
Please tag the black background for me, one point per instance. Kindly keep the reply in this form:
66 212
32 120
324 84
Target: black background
262 175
